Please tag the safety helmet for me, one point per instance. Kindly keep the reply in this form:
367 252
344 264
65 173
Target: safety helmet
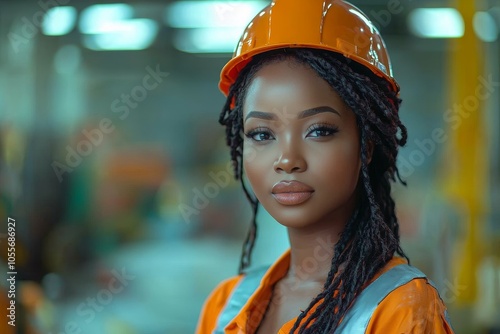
332 25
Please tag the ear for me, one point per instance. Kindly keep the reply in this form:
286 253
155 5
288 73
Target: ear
371 147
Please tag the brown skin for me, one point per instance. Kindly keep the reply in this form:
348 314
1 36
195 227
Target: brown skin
290 147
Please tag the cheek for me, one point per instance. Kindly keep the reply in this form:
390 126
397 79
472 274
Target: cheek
258 186
258 165
253 164
339 166
257 156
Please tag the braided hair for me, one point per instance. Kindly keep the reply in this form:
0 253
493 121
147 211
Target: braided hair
371 236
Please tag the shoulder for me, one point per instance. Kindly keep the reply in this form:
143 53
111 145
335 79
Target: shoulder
240 286
215 304
222 291
414 307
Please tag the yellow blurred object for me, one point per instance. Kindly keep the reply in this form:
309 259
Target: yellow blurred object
14 147
465 168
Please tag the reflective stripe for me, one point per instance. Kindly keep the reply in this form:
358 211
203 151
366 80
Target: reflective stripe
358 316
240 296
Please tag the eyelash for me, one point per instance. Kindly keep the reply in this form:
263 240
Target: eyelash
329 129
260 130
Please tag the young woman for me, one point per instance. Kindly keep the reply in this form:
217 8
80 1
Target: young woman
312 122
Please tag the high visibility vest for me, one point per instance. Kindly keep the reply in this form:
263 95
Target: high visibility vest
356 319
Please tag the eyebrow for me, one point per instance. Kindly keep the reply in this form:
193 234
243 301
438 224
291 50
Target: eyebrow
302 114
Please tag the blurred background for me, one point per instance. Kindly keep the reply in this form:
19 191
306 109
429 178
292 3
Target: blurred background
114 167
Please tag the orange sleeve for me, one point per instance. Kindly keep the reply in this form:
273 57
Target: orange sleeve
214 305
412 308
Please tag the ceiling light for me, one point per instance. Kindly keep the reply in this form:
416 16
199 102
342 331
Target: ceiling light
485 26
212 14
96 18
135 34
436 23
59 21
113 27
214 40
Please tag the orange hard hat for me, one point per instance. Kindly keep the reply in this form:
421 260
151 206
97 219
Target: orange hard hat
332 25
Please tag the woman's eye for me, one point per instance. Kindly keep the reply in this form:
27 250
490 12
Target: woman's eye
322 131
259 135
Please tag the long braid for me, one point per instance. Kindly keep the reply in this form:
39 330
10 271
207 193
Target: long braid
232 117
372 247
371 236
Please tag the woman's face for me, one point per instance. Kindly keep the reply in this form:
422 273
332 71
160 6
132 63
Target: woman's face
301 147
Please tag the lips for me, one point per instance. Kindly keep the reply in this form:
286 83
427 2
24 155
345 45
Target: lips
291 192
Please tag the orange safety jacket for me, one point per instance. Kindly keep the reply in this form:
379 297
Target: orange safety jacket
403 300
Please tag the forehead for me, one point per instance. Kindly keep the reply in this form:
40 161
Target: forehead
288 84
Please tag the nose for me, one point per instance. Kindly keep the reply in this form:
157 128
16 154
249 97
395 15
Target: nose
290 160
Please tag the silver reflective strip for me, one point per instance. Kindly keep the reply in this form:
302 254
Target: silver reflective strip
240 296
358 316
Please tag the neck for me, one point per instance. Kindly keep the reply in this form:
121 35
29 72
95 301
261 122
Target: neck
311 248
312 252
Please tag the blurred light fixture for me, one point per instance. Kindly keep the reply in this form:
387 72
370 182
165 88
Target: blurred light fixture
436 23
211 14
98 18
485 26
111 27
136 34
210 26
209 40
59 21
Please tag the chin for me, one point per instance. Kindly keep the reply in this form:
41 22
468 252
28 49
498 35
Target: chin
310 215
293 216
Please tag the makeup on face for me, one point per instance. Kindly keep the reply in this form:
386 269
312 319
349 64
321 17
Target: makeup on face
304 144
292 192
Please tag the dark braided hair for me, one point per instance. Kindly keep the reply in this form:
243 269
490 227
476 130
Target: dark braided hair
371 236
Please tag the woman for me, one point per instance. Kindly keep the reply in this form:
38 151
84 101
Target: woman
312 122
